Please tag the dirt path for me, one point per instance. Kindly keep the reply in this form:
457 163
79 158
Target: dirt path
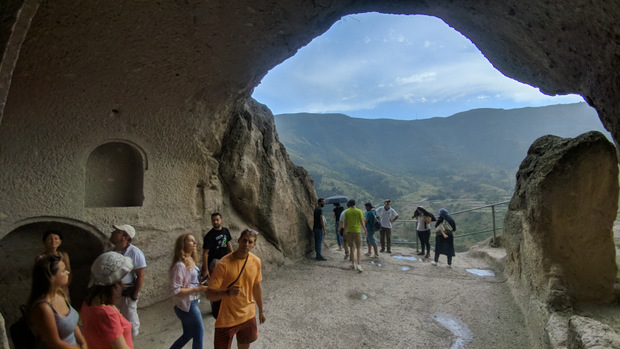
395 303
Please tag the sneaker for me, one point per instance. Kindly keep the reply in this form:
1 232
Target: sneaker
375 256
389 251
382 250
428 255
368 254
321 259
434 263
420 253
359 268
346 256
353 266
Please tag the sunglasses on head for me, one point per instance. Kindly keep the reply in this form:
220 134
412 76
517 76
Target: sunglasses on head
251 231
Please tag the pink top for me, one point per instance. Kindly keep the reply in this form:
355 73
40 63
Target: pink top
102 324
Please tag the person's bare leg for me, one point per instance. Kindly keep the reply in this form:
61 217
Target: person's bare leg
359 257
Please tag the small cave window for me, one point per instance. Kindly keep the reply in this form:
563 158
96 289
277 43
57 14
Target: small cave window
114 176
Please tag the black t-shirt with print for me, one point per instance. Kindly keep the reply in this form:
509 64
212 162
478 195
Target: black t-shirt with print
216 241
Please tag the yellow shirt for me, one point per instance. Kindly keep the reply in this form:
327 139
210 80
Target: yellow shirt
353 218
238 309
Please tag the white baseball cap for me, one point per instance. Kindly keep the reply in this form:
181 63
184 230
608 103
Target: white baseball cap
126 228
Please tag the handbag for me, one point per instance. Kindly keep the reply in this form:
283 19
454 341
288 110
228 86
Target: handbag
444 227
215 306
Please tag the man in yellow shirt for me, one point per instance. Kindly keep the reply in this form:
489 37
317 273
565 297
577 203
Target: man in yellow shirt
236 281
353 225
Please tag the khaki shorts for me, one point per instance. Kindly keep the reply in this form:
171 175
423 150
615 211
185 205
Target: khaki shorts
354 239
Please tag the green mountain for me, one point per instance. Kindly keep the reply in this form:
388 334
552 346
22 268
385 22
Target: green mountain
460 162
474 154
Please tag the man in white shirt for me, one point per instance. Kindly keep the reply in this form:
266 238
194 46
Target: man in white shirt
121 238
387 216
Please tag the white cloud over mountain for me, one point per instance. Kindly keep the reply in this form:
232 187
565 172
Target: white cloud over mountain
403 67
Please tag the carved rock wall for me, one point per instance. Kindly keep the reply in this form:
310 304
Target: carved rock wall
558 229
174 78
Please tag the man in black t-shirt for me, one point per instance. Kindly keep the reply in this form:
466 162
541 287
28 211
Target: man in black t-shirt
216 245
319 229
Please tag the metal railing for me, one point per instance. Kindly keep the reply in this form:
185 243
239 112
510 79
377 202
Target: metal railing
493 228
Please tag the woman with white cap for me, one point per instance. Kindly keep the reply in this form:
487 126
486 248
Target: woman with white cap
103 325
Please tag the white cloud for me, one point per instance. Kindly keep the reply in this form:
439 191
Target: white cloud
404 62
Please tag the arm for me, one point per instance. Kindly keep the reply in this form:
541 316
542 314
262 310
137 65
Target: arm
323 224
44 324
205 260
119 343
214 294
230 248
177 283
258 297
395 218
80 338
139 281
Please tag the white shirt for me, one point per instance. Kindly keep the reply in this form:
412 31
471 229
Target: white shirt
139 262
386 217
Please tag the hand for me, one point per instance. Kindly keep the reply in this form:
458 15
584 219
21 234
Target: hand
261 317
233 291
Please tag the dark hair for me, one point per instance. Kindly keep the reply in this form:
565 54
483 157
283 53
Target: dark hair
320 199
336 204
42 274
106 294
215 214
50 232
368 204
351 203
249 232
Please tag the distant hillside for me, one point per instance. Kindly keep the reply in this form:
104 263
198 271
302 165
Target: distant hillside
474 154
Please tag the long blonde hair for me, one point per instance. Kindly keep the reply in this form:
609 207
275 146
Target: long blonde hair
179 254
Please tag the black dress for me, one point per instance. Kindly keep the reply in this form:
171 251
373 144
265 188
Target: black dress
445 245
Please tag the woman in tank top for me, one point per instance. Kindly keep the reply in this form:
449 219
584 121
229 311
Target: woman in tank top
51 317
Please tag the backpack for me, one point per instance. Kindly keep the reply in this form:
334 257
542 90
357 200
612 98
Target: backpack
21 333
376 223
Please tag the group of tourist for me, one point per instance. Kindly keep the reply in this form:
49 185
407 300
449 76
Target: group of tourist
230 279
350 223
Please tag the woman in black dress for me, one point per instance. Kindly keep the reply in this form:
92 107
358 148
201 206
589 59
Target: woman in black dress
444 241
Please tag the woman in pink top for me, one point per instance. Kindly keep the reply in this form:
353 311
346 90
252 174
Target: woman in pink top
186 289
103 325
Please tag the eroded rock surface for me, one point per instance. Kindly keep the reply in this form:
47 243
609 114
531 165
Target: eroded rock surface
558 229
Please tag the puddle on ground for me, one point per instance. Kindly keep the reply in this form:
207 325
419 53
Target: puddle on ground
373 262
404 268
457 327
480 272
358 296
413 259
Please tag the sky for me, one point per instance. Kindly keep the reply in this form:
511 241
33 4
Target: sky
393 66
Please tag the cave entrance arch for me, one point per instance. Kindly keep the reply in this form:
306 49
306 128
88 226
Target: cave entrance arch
19 248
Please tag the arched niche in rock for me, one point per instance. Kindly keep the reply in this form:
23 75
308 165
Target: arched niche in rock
115 176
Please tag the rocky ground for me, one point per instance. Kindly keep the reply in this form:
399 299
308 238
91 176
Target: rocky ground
399 301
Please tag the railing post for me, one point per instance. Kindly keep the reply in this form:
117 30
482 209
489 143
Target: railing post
493 214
